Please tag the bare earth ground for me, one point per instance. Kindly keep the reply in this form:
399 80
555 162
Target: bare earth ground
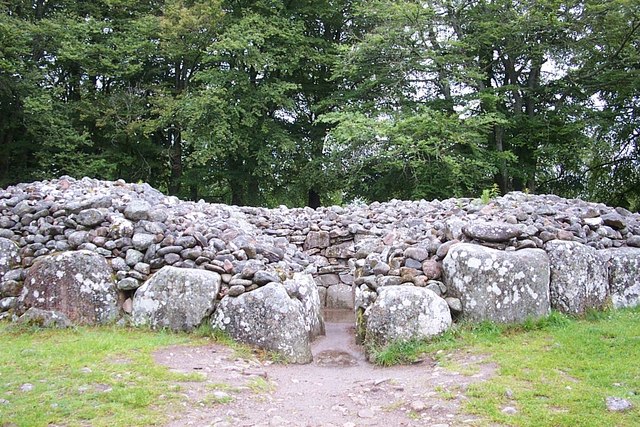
340 388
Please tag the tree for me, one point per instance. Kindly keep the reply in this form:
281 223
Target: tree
270 79
518 67
406 83
608 80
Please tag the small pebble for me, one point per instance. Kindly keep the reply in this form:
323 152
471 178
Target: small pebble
509 410
617 404
366 413
26 387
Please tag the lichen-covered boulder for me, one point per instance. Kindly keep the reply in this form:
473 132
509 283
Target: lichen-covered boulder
267 318
578 277
403 313
9 257
303 288
179 299
624 276
504 287
78 284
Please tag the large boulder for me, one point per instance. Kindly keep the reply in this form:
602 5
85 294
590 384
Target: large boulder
578 277
267 318
504 287
78 284
624 276
176 298
8 256
403 313
303 288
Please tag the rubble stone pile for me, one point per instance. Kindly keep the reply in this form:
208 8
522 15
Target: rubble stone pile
94 251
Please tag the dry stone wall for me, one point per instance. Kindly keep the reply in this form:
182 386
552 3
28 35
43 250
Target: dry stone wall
517 256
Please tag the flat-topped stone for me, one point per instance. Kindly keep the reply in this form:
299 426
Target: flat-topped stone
579 279
504 287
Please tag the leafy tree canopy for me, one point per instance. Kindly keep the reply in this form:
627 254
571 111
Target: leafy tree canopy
271 102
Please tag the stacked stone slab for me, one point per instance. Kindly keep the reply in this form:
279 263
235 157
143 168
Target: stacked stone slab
353 252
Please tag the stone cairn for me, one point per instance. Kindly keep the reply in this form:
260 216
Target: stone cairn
90 252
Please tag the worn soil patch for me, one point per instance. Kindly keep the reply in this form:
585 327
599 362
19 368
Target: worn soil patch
340 388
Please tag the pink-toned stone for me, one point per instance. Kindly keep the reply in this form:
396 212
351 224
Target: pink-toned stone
78 284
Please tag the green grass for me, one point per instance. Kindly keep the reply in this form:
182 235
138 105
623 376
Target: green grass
85 376
445 393
556 371
261 385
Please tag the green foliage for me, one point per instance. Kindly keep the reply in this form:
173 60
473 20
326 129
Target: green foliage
273 102
520 69
489 194
429 154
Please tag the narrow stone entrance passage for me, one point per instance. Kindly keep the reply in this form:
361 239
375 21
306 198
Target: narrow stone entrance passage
338 389
338 346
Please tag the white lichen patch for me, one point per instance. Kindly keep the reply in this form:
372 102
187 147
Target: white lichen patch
474 263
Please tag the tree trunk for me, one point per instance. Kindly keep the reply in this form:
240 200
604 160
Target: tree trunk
236 196
5 162
236 180
313 199
193 190
502 177
254 197
175 161
237 192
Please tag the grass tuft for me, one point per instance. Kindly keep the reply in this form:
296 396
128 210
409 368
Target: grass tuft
261 385
398 353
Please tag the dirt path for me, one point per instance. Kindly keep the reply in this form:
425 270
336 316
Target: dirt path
340 388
